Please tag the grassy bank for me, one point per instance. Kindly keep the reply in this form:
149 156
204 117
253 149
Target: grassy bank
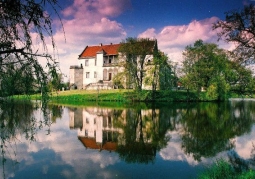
115 95
122 95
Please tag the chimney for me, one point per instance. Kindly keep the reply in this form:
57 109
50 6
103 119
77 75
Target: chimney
101 44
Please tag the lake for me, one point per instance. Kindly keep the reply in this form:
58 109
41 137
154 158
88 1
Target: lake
168 140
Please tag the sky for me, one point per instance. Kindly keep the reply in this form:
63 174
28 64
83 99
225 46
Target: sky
174 23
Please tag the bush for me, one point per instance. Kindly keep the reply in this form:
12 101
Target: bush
222 169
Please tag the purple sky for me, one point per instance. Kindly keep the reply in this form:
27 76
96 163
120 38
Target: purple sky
175 24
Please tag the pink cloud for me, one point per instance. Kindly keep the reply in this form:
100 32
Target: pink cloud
87 19
173 39
98 8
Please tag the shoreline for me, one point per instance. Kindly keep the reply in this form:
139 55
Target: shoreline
126 96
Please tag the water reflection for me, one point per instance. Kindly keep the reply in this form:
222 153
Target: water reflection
96 129
17 119
135 134
35 136
209 127
206 129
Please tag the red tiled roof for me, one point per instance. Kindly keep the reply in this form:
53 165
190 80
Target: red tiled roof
91 51
92 144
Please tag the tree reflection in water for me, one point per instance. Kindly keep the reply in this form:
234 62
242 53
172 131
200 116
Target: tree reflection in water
209 127
143 135
17 120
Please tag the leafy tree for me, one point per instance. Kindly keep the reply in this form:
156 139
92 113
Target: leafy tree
16 79
240 78
20 21
135 52
204 66
55 82
238 27
159 73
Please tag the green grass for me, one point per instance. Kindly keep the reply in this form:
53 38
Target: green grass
222 169
117 95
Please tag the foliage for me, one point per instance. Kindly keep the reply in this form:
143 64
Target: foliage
238 27
134 54
240 78
55 82
24 29
160 74
16 80
205 66
203 62
222 169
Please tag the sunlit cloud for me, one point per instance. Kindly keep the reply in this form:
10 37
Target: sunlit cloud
100 8
172 40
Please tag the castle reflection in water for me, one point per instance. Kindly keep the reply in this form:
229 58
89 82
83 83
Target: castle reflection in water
106 128
95 127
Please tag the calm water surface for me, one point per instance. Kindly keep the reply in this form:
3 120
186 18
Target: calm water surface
139 141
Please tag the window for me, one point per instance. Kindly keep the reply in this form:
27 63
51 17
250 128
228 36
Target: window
86 62
87 74
110 60
87 120
95 62
95 74
86 133
104 122
109 121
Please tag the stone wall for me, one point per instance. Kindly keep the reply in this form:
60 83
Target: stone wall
76 77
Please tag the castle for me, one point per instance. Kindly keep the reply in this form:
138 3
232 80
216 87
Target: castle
97 65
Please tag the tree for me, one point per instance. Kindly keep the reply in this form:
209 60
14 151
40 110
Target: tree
160 74
55 82
134 53
20 21
240 78
16 79
239 27
203 65
206 66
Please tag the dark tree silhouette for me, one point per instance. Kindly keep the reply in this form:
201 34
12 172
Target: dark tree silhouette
239 27
25 27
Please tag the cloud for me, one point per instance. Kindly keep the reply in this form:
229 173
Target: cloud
97 8
88 21
244 144
174 152
173 39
